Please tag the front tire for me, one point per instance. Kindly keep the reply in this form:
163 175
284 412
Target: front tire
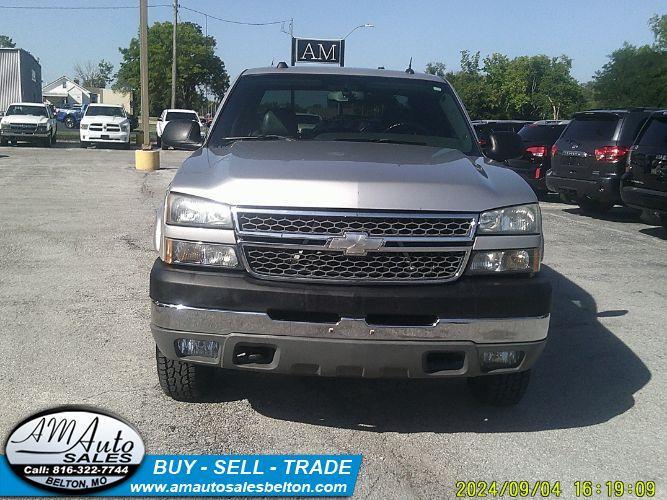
84 144
159 141
70 122
505 389
663 221
3 142
183 381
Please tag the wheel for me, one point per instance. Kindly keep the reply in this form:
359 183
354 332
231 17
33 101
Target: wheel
55 138
593 206
500 390
663 221
159 141
183 381
47 142
70 122
3 142
84 144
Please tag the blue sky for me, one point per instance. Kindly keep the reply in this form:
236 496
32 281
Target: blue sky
426 30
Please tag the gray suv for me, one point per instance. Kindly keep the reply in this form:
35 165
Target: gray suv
376 242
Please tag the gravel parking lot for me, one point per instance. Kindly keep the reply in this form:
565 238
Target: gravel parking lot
76 250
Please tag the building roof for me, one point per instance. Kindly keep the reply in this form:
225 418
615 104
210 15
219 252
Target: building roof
51 86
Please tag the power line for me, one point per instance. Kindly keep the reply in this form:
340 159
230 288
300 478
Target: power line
125 7
267 23
89 7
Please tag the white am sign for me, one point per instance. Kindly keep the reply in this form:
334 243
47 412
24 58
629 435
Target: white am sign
318 51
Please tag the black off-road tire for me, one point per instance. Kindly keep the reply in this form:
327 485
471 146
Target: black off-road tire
159 141
84 144
184 381
4 142
505 389
594 206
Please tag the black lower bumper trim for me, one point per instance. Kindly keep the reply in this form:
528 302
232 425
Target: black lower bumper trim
469 297
604 189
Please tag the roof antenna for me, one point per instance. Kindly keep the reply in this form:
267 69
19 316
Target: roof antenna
410 71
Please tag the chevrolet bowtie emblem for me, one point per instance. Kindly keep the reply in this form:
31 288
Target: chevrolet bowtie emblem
355 243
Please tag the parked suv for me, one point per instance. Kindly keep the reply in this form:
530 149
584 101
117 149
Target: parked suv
484 128
645 183
589 158
535 162
378 243
28 122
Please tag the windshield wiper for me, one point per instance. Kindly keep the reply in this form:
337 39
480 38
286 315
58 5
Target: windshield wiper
263 137
384 141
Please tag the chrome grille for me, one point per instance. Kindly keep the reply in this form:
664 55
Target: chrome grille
310 264
374 224
23 128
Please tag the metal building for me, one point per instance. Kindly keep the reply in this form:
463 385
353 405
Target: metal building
20 77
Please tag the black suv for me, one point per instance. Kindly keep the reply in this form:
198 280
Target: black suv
645 183
537 138
589 158
484 128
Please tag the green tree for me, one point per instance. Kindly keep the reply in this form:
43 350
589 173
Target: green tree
6 42
93 75
199 69
437 69
635 76
526 87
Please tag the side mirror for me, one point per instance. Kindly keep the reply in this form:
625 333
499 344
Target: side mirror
182 134
504 146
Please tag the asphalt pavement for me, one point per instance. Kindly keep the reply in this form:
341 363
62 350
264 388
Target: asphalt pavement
75 256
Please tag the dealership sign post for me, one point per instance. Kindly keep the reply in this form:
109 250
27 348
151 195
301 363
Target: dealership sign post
307 50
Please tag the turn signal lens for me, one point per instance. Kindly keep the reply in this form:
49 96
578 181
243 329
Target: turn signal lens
200 254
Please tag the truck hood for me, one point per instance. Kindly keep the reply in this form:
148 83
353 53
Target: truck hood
327 174
104 119
24 119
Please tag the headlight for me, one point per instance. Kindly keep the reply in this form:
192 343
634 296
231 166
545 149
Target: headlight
83 126
522 219
505 261
200 254
183 210
125 127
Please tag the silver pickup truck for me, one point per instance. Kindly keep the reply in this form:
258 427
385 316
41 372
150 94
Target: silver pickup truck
379 242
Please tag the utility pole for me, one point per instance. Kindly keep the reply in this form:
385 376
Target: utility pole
173 56
143 65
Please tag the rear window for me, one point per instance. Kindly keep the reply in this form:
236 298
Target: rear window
592 128
180 115
546 134
655 133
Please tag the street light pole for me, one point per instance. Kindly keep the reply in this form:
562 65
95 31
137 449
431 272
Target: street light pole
367 25
143 69
173 56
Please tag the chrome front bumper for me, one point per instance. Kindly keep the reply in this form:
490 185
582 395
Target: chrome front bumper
350 347
220 322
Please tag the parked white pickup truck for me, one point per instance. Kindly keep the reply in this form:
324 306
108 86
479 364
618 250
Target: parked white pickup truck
28 121
104 123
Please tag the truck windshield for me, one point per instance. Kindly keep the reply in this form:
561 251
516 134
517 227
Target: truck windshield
26 110
105 111
344 108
